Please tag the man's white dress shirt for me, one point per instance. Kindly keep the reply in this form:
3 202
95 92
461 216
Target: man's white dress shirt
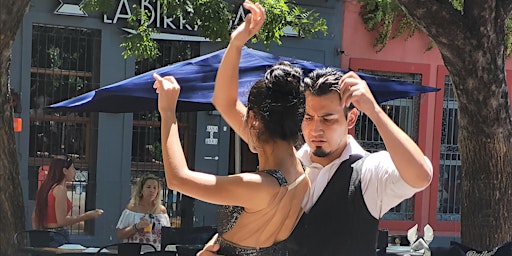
382 186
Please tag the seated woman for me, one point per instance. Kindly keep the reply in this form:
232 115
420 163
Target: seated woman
144 217
52 203
261 207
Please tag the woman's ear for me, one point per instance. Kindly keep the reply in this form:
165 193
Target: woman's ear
352 118
252 120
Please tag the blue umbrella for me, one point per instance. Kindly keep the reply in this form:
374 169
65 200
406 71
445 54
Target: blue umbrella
197 78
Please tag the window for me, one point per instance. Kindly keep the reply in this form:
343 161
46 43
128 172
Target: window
64 64
405 113
449 193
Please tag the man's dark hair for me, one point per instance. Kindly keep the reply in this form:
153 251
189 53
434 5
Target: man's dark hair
321 82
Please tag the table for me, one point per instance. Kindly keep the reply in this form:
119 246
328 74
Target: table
189 249
60 251
402 251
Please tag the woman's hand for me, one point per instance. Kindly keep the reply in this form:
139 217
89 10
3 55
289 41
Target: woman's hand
225 94
143 223
168 90
93 214
251 25
209 250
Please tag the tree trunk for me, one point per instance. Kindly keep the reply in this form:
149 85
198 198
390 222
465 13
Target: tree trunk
485 134
472 46
11 198
485 140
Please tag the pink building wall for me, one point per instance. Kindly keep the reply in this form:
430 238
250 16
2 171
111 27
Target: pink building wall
409 56
357 43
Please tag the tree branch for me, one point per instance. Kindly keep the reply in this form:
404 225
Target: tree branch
473 8
506 7
431 15
488 15
482 8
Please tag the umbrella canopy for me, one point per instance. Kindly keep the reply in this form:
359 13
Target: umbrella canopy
197 78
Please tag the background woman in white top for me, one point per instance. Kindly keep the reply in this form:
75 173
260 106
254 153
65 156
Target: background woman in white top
144 217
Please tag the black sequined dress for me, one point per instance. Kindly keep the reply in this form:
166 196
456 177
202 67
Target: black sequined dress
228 217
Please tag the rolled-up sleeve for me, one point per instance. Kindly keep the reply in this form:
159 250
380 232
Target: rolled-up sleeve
382 186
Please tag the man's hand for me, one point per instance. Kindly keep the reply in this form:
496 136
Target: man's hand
209 250
354 90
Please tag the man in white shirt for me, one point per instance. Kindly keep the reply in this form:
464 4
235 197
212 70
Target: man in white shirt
398 173
344 206
337 220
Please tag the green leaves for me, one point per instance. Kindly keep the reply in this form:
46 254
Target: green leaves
281 14
214 20
388 19
508 37
99 5
140 44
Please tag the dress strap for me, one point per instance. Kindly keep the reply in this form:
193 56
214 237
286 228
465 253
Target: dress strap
297 181
278 176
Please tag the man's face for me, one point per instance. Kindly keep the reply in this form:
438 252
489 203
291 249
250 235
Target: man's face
325 127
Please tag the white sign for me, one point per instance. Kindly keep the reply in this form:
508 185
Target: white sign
161 22
70 7
211 140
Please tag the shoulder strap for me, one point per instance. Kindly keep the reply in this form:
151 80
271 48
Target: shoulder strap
278 176
297 181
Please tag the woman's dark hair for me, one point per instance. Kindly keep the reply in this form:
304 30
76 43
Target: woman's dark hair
55 176
277 101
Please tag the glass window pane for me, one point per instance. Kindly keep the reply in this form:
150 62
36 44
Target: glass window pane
449 194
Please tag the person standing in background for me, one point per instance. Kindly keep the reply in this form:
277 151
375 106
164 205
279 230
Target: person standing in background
144 217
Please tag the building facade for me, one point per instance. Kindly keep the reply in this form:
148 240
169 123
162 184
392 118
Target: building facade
61 51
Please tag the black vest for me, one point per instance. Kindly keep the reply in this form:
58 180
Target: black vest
339 223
